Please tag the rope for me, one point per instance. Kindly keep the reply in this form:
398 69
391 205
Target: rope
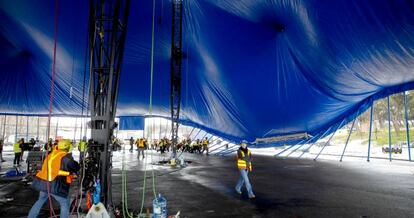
151 87
150 113
52 92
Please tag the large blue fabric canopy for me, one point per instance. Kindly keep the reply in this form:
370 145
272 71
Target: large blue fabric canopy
252 68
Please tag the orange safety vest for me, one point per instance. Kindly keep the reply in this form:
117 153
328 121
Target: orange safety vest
241 163
51 167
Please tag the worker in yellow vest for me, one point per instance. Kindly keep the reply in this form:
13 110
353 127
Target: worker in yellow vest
55 178
244 164
205 146
82 148
17 148
141 147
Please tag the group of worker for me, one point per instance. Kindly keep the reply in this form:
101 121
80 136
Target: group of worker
197 146
19 147
59 168
164 145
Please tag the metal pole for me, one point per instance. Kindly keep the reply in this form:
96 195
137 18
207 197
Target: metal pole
370 131
315 142
76 128
57 126
309 140
4 128
15 130
160 124
347 140
329 140
27 128
217 148
191 132
37 133
389 128
204 136
228 151
199 130
407 128
284 150
294 150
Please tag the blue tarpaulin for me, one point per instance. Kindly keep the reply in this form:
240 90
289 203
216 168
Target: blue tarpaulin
131 123
251 68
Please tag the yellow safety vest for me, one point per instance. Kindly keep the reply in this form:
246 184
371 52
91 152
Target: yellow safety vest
205 142
17 148
82 146
51 167
241 163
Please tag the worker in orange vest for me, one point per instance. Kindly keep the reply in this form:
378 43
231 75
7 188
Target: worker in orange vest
244 164
55 178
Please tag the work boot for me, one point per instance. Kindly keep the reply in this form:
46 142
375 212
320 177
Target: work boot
238 191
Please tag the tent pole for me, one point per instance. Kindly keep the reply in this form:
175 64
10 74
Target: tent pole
347 140
160 124
37 133
76 128
294 150
57 126
199 130
320 152
4 128
284 150
27 128
15 130
389 128
326 143
407 128
323 135
370 131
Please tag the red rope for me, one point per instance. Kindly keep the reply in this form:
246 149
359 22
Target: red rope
52 93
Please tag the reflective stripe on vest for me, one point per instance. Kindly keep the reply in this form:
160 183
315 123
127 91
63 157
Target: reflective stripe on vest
16 148
241 163
51 166
82 146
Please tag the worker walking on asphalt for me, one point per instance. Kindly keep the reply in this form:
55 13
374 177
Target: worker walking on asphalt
244 164
55 178
131 143
17 148
141 147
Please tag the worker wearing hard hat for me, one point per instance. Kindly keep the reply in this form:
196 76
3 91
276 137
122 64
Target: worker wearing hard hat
55 178
244 164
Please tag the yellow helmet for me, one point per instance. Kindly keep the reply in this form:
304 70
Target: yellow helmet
64 144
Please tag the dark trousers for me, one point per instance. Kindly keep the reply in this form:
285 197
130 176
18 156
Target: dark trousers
17 158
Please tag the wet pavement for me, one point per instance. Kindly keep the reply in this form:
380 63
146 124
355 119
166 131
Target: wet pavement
283 187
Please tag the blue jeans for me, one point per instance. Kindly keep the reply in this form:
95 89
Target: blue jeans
43 197
244 179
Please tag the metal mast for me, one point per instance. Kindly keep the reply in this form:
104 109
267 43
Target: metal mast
176 65
107 32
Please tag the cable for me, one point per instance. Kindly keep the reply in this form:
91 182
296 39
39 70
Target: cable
52 92
152 84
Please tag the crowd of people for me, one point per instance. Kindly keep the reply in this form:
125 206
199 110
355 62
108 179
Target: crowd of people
198 146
